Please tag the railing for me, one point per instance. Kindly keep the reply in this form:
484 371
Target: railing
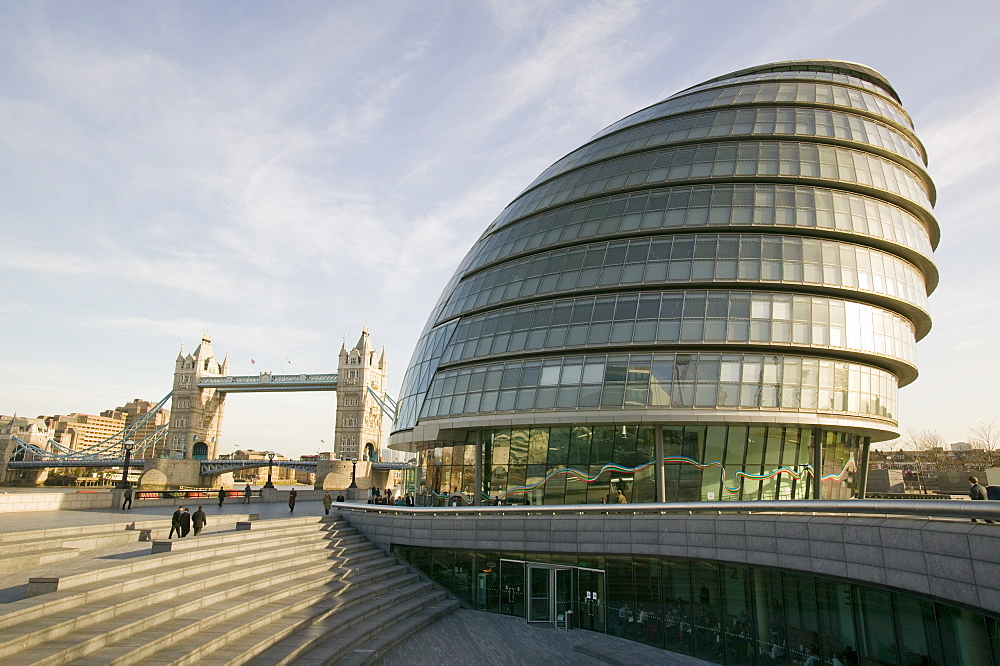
191 494
74 462
942 509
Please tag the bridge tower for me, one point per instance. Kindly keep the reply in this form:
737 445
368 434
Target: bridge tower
33 431
358 429
195 413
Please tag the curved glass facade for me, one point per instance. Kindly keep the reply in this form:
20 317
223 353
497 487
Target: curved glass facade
767 121
694 259
724 613
689 317
715 298
728 160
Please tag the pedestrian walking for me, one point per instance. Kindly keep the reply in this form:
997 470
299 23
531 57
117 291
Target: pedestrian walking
222 496
246 494
977 492
185 520
199 520
291 500
175 522
127 499
327 503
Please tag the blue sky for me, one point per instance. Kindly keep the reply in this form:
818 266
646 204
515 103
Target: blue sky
280 174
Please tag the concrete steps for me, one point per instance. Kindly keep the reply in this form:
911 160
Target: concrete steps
206 548
362 634
20 551
276 592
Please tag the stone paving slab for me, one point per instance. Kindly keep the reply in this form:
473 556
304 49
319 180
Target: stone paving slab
489 639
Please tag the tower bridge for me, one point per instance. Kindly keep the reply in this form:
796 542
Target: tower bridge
185 451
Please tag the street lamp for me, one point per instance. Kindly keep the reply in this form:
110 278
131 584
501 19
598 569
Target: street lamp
270 463
127 447
354 473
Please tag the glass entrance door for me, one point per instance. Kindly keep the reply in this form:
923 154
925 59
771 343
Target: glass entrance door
539 594
512 587
550 593
588 611
563 596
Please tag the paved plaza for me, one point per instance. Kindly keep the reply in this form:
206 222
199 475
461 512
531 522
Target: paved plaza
488 639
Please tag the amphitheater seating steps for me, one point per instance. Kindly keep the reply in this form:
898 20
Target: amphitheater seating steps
302 590
20 551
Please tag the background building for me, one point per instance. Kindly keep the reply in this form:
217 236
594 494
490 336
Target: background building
136 410
258 475
78 431
732 280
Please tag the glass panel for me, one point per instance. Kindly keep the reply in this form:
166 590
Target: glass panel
539 606
678 630
512 588
878 637
621 604
916 627
649 605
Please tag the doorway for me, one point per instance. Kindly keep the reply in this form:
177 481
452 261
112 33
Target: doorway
553 594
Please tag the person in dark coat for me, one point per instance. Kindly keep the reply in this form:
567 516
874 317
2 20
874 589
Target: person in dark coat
175 522
291 500
246 494
199 520
127 499
185 521
977 492
340 497
222 496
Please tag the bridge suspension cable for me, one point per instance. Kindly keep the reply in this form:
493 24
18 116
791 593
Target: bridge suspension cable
110 447
387 404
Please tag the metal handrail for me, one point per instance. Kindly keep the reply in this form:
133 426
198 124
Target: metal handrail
205 493
956 509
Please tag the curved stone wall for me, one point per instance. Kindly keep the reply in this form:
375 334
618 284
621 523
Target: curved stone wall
955 562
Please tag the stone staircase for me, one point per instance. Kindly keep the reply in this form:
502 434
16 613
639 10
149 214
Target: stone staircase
20 551
296 590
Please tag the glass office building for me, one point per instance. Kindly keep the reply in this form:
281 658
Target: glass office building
715 298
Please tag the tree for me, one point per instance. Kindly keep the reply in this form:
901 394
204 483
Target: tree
927 449
985 435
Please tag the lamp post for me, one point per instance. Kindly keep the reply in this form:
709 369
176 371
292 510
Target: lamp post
354 473
270 463
127 447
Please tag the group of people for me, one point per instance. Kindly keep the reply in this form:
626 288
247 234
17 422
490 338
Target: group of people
376 496
181 522
328 502
614 498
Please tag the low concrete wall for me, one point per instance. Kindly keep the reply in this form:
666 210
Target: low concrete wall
956 562
108 498
85 499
